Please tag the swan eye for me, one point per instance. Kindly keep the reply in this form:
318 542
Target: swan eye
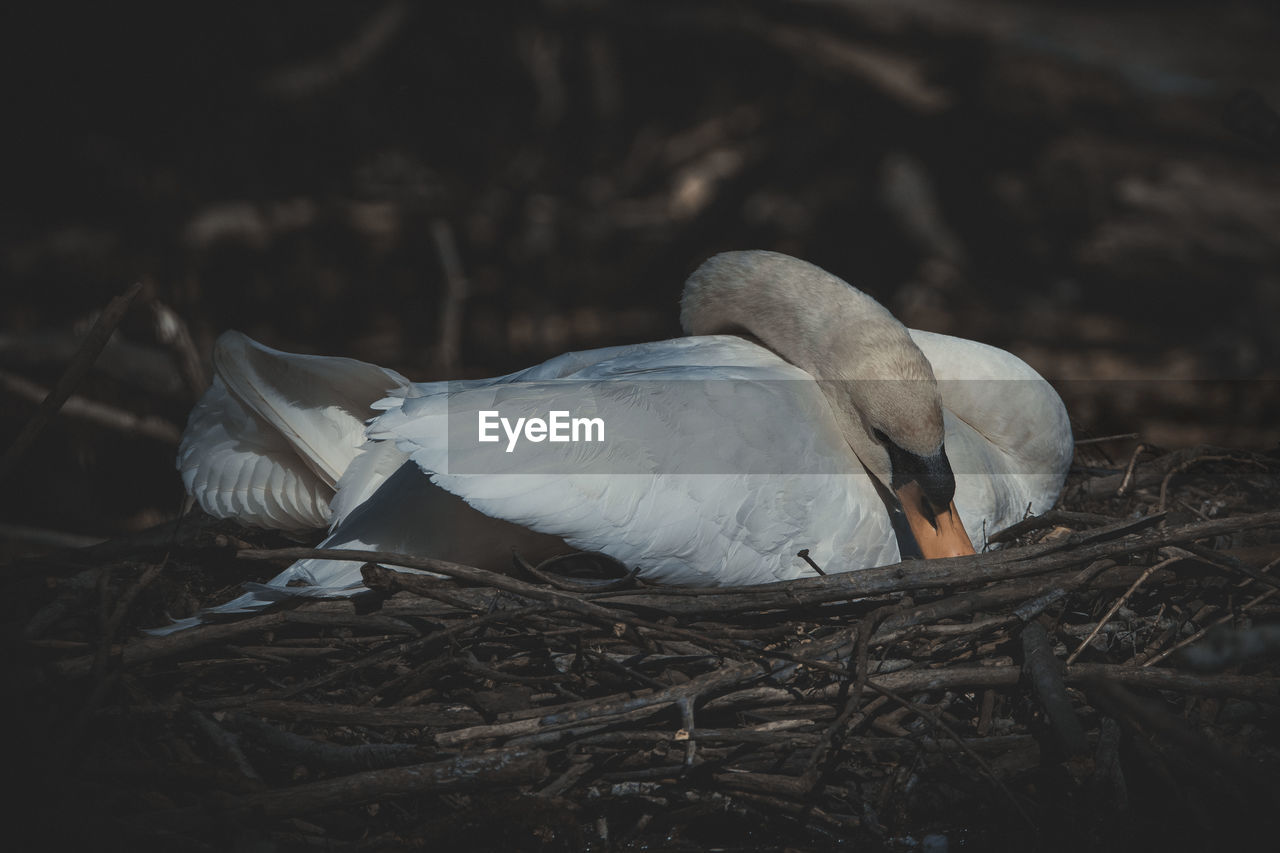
879 436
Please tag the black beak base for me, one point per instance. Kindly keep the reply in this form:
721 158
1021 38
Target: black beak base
932 473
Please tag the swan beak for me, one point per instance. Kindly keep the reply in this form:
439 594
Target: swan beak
939 534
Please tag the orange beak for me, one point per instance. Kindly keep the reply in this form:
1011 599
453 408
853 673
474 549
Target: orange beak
940 536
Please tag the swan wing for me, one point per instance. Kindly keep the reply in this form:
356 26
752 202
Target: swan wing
1008 435
236 465
318 404
702 476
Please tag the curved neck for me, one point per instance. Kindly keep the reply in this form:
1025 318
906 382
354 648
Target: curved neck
870 370
807 316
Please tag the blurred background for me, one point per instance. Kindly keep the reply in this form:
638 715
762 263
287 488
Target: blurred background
464 189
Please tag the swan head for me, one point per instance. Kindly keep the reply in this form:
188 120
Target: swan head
890 413
879 384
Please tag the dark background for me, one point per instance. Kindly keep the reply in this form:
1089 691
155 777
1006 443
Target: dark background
1053 178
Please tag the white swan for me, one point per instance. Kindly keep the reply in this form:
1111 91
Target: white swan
721 458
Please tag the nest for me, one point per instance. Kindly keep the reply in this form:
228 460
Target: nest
1101 681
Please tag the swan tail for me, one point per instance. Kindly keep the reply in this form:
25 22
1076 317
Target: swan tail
274 434
319 404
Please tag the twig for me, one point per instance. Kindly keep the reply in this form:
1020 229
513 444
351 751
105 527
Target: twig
1199 635
496 768
937 722
1128 471
92 344
50 538
1119 602
803 554
332 756
1046 680
1127 436
451 301
101 414
226 743
1184 466
316 76
1047 519
804 592
543 572
172 331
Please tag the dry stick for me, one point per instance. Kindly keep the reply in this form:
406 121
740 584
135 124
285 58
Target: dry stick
1244 686
173 331
1128 436
332 756
937 722
1047 519
565 781
1218 684
380 578
910 575
1148 474
1231 564
101 414
356 715
1248 605
381 656
464 773
1184 466
1046 680
455 294
543 574
90 347
154 648
865 630
619 707
313 76
1119 602
1128 473
227 743
50 538
1026 590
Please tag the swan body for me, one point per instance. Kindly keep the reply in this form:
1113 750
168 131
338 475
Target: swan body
721 456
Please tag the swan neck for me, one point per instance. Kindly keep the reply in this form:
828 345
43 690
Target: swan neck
807 316
871 372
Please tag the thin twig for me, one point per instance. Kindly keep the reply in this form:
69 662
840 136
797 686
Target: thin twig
1119 602
79 367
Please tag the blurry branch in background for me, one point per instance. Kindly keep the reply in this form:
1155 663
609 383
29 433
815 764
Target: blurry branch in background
172 331
299 81
541 51
901 77
47 538
454 294
102 414
92 345
142 366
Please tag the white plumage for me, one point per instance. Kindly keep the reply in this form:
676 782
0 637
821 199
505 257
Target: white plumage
721 459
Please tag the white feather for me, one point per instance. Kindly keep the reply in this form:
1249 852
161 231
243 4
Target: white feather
274 433
319 404
237 466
